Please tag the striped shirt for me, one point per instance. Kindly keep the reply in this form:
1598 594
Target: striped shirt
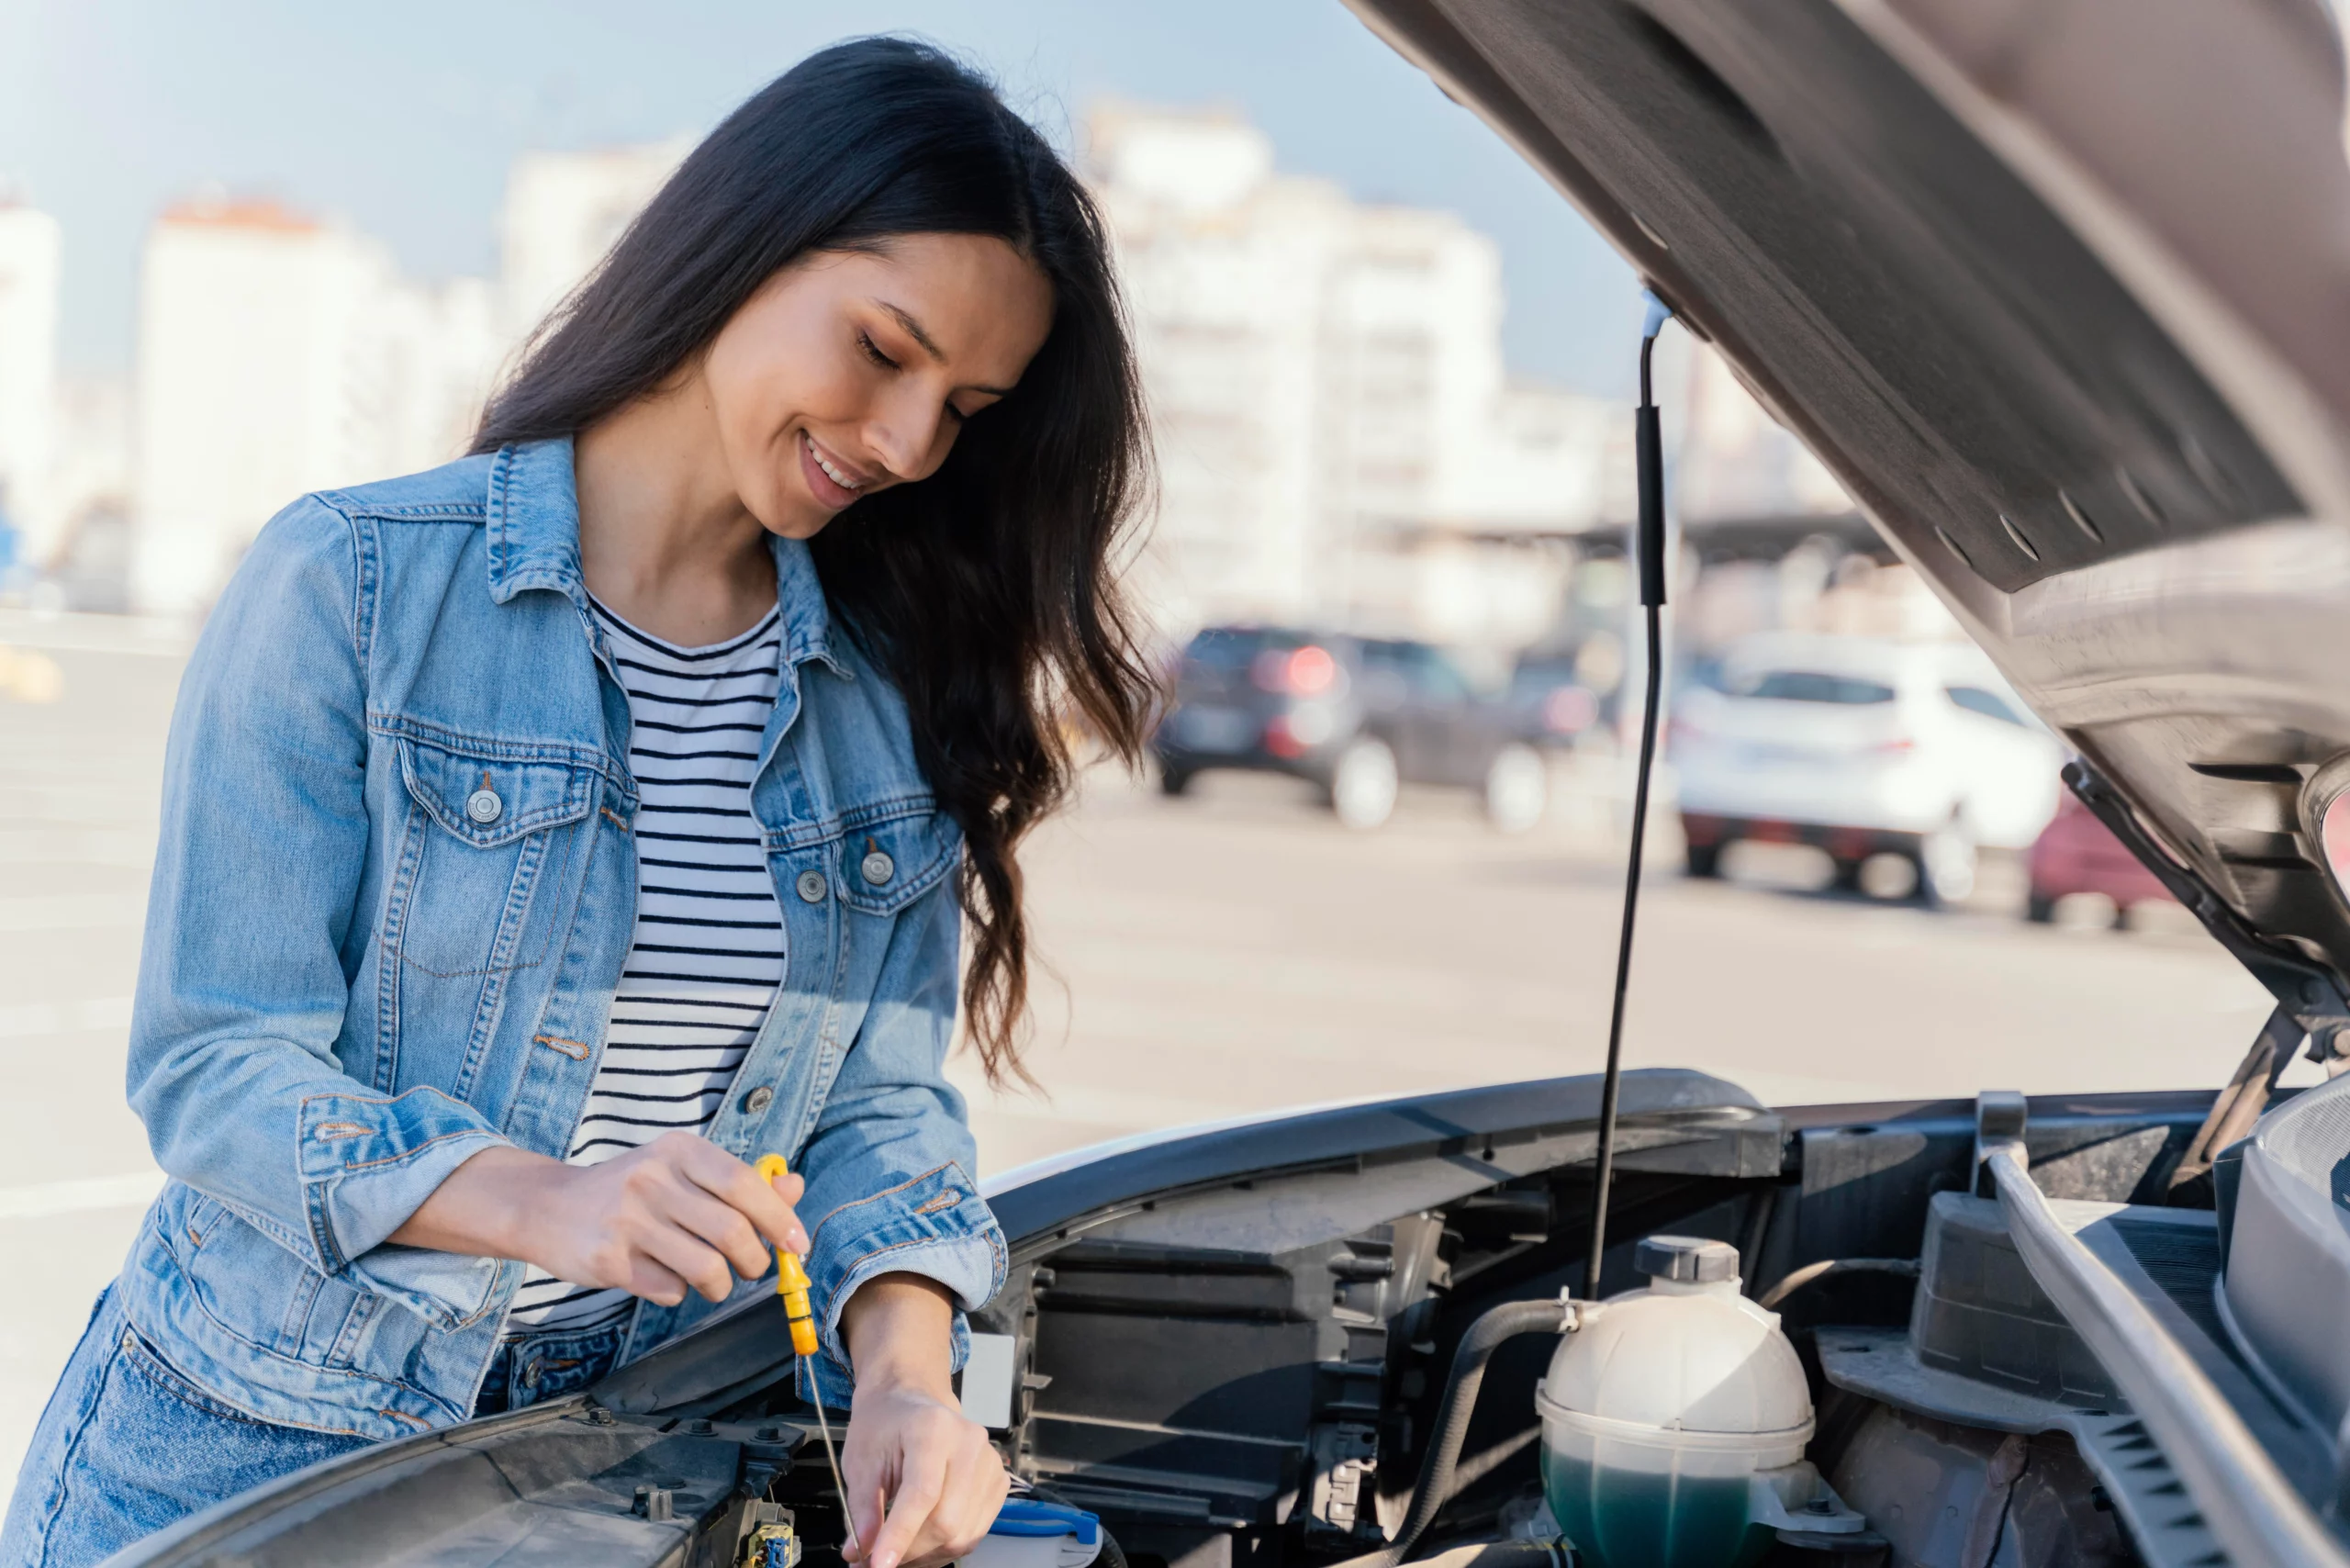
708 952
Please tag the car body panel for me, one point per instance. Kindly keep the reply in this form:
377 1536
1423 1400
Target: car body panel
1232 710
2077 854
1897 755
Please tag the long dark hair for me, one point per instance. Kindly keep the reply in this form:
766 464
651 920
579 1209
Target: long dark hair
986 591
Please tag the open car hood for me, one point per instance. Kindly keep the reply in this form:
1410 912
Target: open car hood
2056 288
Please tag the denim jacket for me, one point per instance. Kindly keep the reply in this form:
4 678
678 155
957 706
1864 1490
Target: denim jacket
351 982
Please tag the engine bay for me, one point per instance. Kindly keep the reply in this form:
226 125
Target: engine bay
1248 1374
1250 1371
1238 1348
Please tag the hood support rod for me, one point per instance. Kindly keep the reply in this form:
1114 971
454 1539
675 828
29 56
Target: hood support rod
1648 549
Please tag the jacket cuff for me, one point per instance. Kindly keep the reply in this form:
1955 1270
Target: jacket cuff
935 1225
367 1164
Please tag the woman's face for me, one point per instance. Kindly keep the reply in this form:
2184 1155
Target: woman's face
852 371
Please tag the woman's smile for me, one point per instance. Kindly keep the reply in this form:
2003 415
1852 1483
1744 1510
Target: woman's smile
833 482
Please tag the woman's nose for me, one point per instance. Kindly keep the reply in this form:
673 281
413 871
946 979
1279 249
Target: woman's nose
905 438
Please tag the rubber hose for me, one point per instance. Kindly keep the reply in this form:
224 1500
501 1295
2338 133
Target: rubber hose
1829 1268
1434 1489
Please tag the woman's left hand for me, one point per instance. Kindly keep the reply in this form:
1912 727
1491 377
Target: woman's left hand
910 1450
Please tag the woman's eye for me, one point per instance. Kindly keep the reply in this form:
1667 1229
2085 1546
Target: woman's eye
865 342
958 415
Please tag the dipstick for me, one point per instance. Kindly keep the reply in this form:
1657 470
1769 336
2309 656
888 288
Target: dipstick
791 1283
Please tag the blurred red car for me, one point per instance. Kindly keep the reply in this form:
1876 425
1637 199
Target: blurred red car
2077 854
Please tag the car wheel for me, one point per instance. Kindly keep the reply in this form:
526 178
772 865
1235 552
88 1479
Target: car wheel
1363 784
1703 860
1518 789
2040 908
1946 863
1174 780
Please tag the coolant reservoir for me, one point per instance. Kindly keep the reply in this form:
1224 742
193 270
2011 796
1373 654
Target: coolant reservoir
1674 1420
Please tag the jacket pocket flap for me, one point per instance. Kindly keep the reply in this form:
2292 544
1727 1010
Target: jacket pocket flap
489 800
884 866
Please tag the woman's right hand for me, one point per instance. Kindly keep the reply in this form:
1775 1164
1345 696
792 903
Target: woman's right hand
678 1212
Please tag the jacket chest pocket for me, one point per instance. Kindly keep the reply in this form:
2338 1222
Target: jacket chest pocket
486 843
886 864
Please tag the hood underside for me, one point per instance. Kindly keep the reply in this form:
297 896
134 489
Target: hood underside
2055 287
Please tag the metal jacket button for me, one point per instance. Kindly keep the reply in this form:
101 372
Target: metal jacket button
484 806
758 1100
877 866
811 887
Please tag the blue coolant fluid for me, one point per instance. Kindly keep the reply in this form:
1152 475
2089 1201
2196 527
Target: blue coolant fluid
1029 1532
1674 1420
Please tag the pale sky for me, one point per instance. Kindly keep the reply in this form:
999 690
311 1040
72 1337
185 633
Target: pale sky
402 118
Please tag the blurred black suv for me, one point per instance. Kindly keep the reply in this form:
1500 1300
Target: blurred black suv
1357 716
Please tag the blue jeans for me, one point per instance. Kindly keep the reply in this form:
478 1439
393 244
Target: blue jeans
128 1445
549 1367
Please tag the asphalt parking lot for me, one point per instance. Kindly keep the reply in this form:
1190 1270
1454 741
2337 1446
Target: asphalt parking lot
1227 953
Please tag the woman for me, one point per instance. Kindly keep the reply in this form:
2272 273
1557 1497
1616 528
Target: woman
548 836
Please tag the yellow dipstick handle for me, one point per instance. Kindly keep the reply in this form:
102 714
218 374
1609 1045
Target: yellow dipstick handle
791 1278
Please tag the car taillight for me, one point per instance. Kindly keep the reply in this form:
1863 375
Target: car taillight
1894 747
1312 671
1568 711
1283 740
1302 672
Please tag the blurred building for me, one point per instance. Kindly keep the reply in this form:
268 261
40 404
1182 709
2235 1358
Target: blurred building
563 210
29 287
1337 442
279 354
1737 462
1774 541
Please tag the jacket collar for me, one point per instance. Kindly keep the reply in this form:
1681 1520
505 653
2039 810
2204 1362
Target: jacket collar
533 526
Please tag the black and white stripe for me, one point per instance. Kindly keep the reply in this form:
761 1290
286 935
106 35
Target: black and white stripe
708 952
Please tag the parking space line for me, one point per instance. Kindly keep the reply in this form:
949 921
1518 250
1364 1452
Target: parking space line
28 1018
74 912
44 1198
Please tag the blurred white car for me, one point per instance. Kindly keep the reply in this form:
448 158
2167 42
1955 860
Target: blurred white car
1862 746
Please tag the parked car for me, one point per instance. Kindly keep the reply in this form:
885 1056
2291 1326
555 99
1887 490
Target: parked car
1551 699
1357 716
1862 746
2062 303
2077 854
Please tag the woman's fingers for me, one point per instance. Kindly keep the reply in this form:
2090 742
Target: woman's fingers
865 1492
921 1480
653 1283
950 1486
768 1208
866 1513
689 1258
740 1188
724 1227
679 1213
973 1495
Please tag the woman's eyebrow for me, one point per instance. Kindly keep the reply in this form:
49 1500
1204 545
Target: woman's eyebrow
915 331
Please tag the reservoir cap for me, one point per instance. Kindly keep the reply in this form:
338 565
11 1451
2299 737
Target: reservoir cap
1689 1259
